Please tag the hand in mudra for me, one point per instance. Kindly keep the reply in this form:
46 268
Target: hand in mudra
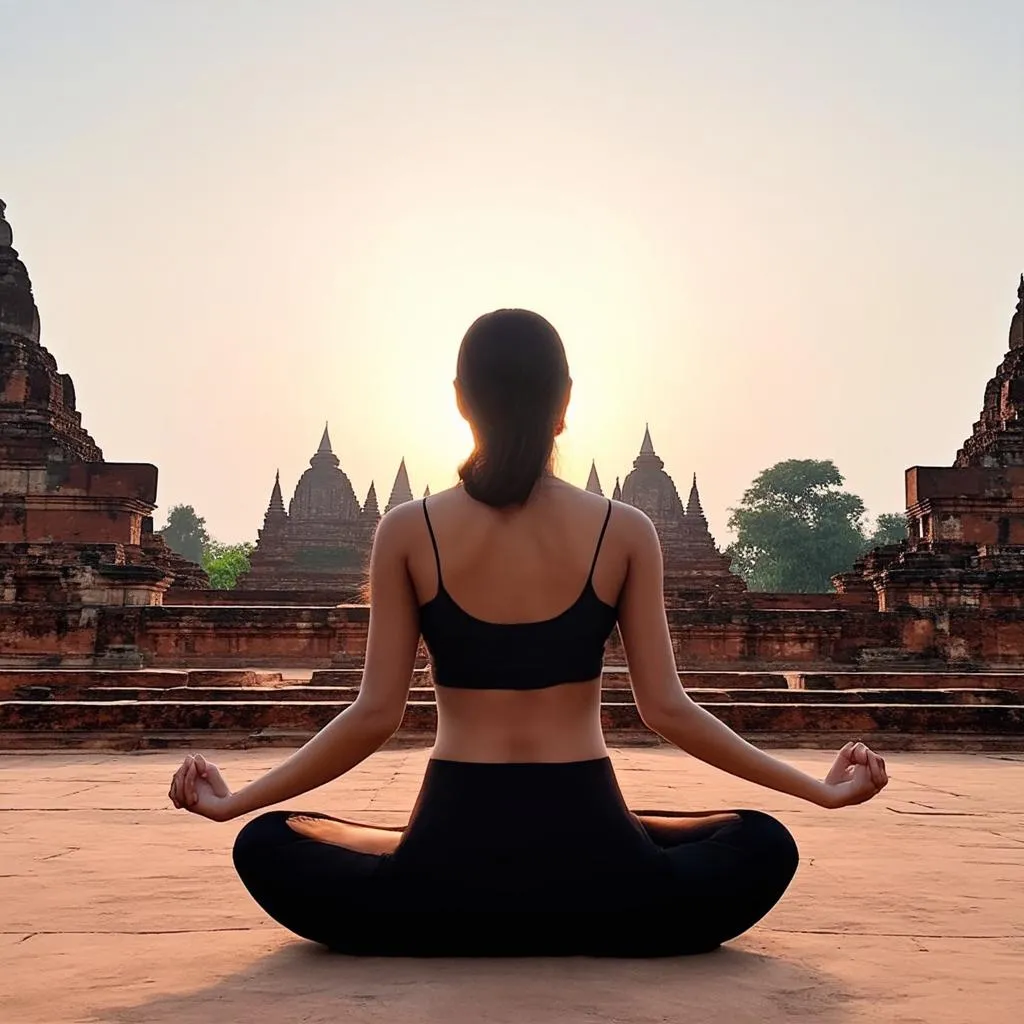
199 787
857 775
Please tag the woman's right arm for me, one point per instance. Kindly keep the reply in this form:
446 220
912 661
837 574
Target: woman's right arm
858 773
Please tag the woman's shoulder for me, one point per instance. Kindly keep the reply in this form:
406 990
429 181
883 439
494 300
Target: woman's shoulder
637 518
400 523
634 525
625 519
410 519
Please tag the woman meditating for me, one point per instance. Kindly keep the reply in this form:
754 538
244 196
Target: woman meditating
516 579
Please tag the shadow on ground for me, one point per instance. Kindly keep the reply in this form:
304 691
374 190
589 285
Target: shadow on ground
302 982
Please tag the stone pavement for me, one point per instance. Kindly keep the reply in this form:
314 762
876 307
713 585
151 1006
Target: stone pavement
116 909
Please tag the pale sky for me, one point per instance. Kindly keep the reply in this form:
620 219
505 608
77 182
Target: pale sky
772 230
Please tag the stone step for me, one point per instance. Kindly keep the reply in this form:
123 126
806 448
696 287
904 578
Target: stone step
907 680
74 680
148 723
613 677
701 696
616 677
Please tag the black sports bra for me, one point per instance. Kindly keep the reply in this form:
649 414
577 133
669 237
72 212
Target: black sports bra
472 654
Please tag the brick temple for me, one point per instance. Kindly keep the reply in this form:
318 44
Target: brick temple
948 598
84 582
74 529
321 542
965 546
108 638
696 572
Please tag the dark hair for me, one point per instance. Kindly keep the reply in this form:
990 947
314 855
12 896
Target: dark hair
513 378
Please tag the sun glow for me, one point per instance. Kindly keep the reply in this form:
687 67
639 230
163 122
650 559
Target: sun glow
410 300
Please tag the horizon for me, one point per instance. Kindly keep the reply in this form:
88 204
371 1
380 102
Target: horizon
767 233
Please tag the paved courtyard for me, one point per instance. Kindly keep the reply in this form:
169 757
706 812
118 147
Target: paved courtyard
116 908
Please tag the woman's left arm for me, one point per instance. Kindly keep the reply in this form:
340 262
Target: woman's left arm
362 728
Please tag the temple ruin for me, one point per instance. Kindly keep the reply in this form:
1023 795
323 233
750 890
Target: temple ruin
321 543
74 529
108 637
696 572
322 540
965 545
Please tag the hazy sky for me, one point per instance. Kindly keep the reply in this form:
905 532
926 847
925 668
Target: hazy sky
774 230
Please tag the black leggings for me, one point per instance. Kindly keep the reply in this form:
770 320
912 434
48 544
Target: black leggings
486 841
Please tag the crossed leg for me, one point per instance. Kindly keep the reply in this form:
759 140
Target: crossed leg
320 876
316 875
730 868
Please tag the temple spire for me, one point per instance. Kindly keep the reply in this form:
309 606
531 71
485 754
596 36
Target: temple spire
1017 322
617 493
276 505
370 506
401 492
647 458
6 234
324 453
647 447
276 518
695 522
18 313
426 491
325 442
594 481
693 505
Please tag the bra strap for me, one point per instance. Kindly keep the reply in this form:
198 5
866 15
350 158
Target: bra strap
433 540
600 541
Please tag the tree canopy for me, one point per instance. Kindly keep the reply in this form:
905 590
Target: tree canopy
224 563
890 528
796 528
185 532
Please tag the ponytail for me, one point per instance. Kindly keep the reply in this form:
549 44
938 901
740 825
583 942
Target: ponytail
507 462
513 377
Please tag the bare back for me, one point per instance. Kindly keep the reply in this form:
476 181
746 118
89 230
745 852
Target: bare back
524 565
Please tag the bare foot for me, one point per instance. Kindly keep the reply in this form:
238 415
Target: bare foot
671 830
361 838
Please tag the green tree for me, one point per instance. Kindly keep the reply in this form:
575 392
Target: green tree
224 563
890 528
185 532
796 528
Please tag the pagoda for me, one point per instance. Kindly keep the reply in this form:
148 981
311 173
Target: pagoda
705 570
74 529
696 572
322 541
965 523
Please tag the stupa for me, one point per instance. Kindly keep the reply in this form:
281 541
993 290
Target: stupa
696 572
323 540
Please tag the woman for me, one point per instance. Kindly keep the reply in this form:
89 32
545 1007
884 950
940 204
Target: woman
516 579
